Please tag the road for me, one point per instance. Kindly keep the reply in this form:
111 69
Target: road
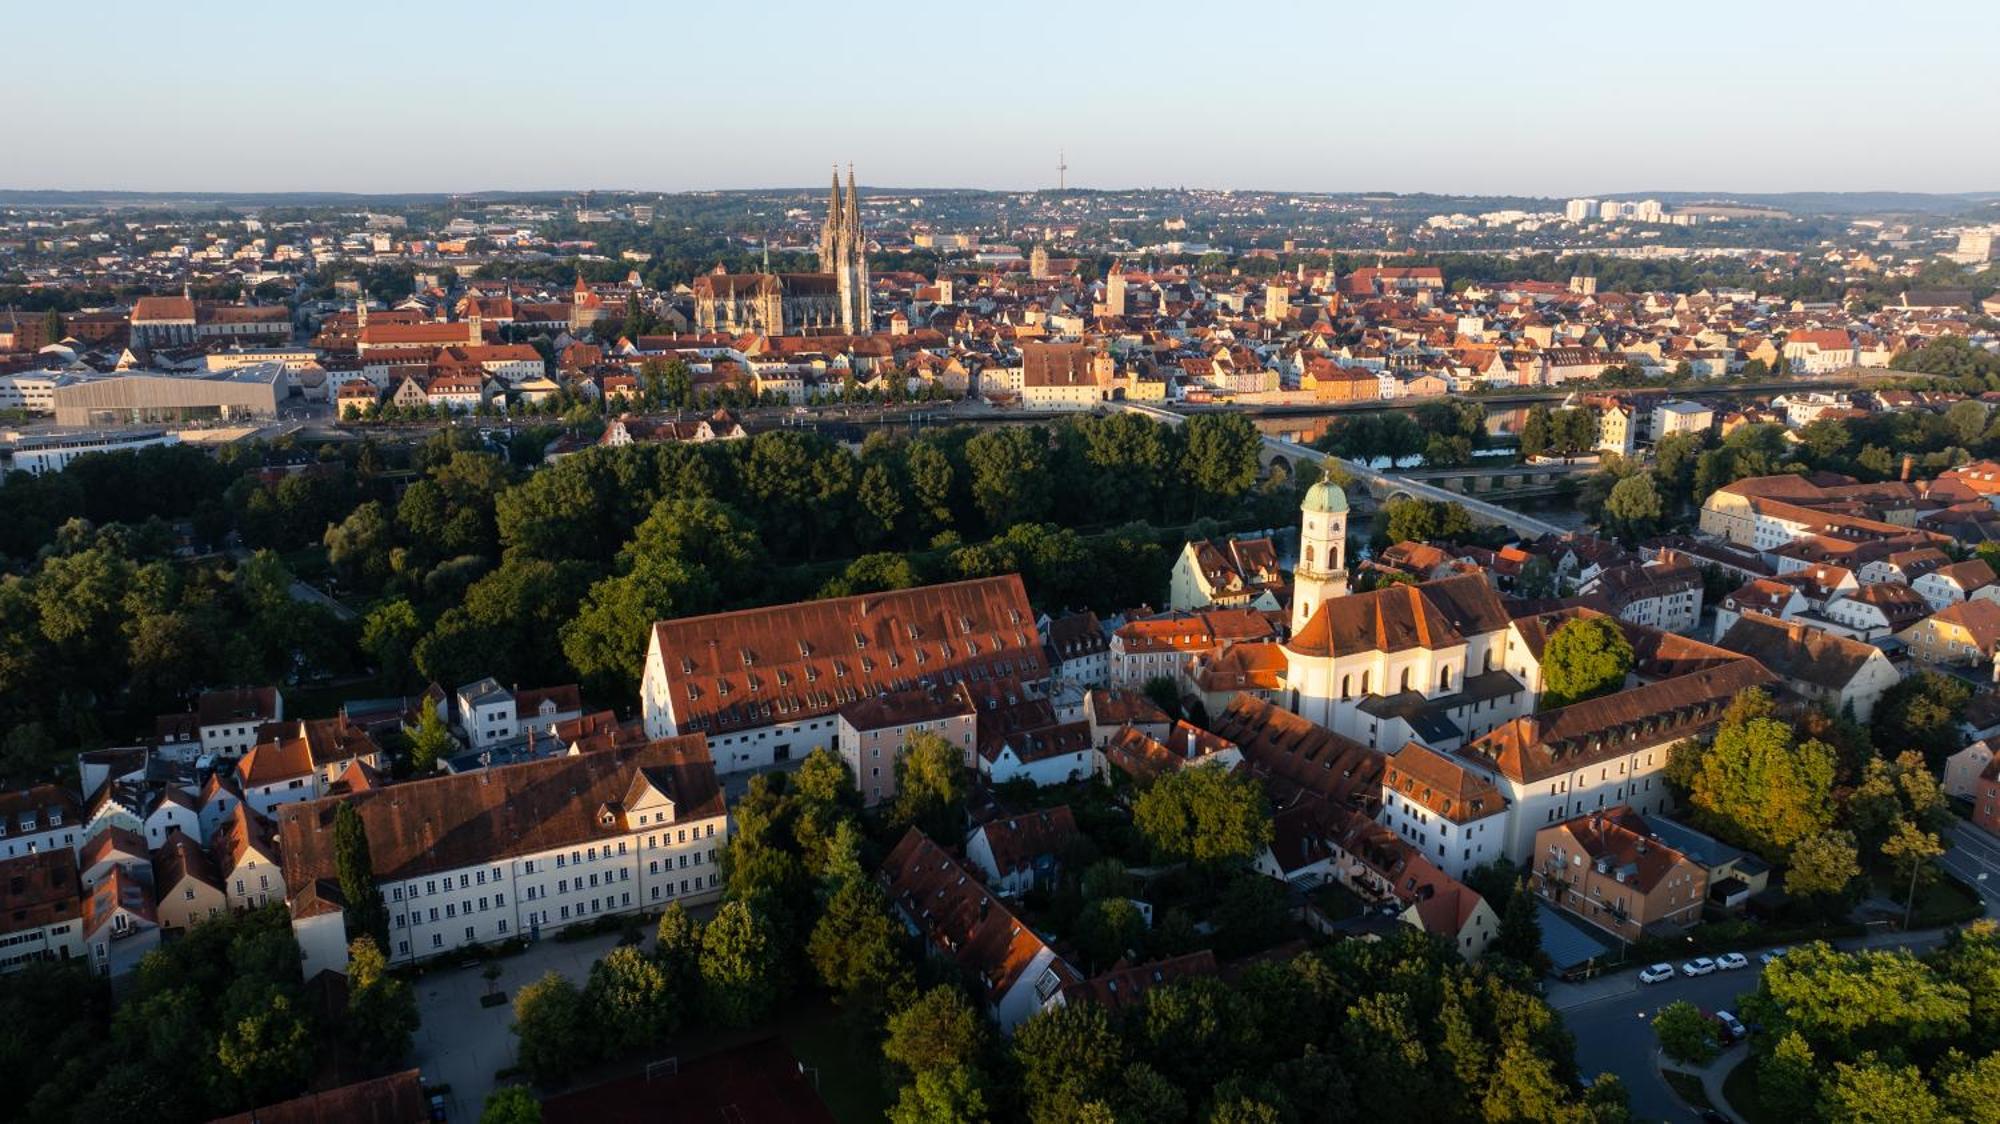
1611 1016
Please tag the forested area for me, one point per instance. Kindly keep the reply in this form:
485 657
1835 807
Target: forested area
134 579
216 1022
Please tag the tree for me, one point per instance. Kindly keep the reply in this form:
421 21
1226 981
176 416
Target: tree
1586 657
953 1095
355 868
1757 788
1412 520
1922 713
268 1052
1687 1035
1824 866
856 945
1519 937
359 545
1067 1056
740 970
1786 1078
553 1028
512 1104
930 787
388 633
1204 815
431 742
1108 929
1872 1091
1010 475
381 1009
937 1030
1912 848
1537 432
1633 508
629 1000
1220 456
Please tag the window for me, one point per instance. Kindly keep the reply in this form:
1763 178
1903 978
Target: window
437 940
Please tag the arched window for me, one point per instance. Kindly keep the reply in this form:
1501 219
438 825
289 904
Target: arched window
1344 694
1406 679
1489 659
1309 558
1364 681
1444 679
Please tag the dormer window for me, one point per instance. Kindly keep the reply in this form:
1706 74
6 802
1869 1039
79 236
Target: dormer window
860 642
749 660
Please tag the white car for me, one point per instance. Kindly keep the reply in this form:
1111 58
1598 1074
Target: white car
1699 966
1768 955
1731 1026
1730 961
1658 973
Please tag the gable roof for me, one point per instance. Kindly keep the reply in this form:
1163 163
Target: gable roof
1554 742
1016 841
1296 758
1793 651
465 819
791 663
960 918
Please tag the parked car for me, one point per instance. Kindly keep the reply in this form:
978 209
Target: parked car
1730 961
1699 966
1732 1028
1771 954
1658 973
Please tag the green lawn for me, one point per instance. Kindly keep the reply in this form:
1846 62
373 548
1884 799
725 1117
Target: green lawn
1688 1087
1741 1089
849 1068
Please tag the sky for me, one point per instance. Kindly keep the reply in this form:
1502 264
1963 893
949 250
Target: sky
1454 96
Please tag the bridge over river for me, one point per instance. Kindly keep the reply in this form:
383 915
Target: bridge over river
1390 485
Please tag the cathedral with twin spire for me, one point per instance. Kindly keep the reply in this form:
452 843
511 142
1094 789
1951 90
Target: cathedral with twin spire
834 300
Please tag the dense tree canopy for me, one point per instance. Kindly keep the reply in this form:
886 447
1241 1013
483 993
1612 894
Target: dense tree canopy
1586 657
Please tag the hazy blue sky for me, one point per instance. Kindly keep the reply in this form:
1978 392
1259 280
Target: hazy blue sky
1550 98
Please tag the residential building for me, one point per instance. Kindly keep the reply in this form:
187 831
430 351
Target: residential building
40 819
874 732
1078 650
120 924
1664 593
185 879
1232 574
1845 676
1607 869
298 761
1456 817
518 850
41 909
1016 972
1965 635
1020 853
245 851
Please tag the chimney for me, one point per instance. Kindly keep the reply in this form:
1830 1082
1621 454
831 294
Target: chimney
1909 462
1191 743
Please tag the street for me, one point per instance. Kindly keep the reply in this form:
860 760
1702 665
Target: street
1611 1016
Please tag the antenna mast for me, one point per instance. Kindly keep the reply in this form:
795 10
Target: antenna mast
1062 170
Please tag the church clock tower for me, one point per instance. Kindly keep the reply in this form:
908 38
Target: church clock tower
1322 570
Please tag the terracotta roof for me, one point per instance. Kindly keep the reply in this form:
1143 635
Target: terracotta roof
118 891
179 858
960 918
39 889
1794 651
395 1099
238 704
1622 837
1978 617
294 749
27 810
241 833
1433 615
903 708
1549 744
1127 985
1294 757
1196 631
567 700
1055 365
162 308
464 819
791 663
1444 786
1077 634
1017 841
1117 706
